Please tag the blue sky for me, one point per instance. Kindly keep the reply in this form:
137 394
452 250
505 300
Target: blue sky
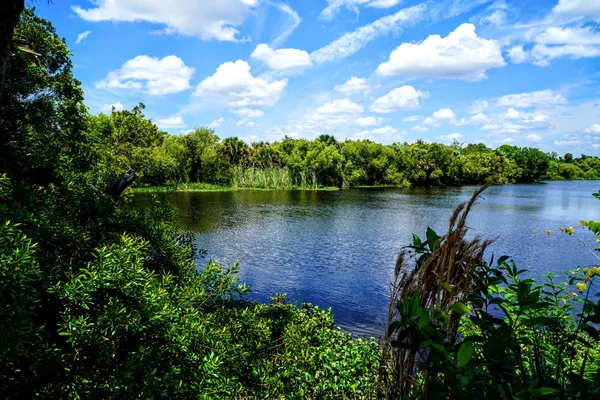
519 72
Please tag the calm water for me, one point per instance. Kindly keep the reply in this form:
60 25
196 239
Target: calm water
338 249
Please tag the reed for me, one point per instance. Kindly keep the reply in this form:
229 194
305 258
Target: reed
271 178
444 277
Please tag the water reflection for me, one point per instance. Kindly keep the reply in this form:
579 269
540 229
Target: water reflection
337 249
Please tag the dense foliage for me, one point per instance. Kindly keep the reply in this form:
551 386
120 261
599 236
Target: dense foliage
126 138
102 300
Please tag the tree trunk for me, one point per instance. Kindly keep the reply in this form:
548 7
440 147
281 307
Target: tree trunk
10 10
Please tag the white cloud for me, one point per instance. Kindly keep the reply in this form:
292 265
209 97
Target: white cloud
351 42
108 107
368 121
327 115
460 55
555 42
82 36
281 59
412 118
477 107
511 113
251 124
579 8
216 123
153 75
419 128
402 98
533 138
524 100
431 121
248 112
171 123
333 6
518 55
476 119
443 113
241 122
452 137
386 130
341 106
234 82
569 35
541 55
204 19
353 85
593 129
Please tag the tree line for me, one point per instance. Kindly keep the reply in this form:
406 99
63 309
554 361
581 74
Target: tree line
127 138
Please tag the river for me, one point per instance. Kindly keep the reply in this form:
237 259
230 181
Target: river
338 249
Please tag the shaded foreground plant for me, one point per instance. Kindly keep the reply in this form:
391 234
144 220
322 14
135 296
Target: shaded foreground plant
442 276
460 328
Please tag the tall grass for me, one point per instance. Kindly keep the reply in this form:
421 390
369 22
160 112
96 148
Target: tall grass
450 264
271 178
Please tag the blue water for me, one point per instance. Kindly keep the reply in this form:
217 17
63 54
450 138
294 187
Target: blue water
338 249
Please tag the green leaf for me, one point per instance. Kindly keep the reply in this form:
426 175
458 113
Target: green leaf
416 241
460 308
465 353
432 238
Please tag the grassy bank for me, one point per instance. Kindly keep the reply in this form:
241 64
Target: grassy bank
209 187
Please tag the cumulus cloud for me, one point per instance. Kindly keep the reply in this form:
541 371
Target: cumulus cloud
593 129
353 85
234 82
216 123
206 20
475 119
578 8
524 100
281 59
171 123
402 98
153 75
533 138
351 42
443 114
368 121
109 107
82 36
460 55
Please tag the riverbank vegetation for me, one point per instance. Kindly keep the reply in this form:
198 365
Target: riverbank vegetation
99 299
201 156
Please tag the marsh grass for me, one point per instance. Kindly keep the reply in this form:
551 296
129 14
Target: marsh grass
441 276
274 178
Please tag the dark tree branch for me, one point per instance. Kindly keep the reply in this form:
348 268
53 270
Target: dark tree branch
118 186
10 11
